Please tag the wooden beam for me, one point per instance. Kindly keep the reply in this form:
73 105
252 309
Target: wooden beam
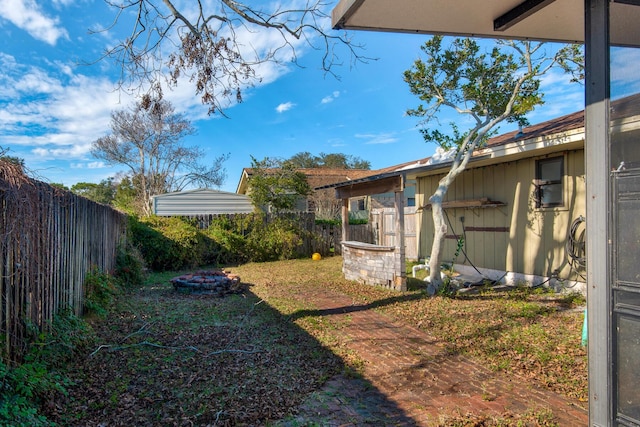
483 202
489 229
519 13
631 2
390 184
345 220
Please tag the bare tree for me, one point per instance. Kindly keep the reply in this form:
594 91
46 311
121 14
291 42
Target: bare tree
146 139
325 204
487 88
209 43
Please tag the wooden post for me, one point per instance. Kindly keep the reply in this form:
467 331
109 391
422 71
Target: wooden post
345 220
400 264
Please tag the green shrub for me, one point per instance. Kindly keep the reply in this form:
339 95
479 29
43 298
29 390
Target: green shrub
21 389
227 247
337 222
99 292
276 240
168 243
129 266
175 243
357 221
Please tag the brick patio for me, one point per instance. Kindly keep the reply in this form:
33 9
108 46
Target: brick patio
415 382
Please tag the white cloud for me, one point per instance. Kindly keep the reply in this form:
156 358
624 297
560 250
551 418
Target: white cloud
96 165
286 106
59 3
54 116
326 99
72 151
26 15
88 165
381 138
330 98
624 72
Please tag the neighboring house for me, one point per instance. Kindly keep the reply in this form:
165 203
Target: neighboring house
200 202
322 202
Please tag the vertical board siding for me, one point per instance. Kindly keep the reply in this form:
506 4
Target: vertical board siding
536 238
49 240
384 228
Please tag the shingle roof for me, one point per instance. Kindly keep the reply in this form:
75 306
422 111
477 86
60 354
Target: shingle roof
321 176
318 177
551 127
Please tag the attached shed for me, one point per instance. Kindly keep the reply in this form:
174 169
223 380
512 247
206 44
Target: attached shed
201 202
518 209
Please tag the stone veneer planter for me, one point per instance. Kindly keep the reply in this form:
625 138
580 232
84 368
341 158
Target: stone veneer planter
373 265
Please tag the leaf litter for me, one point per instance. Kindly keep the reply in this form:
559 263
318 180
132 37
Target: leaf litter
174 359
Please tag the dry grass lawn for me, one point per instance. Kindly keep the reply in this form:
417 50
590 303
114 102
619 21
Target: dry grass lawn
168 358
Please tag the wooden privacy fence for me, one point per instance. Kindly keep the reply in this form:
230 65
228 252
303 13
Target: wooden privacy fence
383 225
49 240
322 238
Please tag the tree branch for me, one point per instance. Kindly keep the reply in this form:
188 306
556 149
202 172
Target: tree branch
213 56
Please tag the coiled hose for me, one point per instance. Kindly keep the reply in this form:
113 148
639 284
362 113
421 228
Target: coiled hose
575 246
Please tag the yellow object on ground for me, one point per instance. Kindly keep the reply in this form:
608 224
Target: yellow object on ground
316 256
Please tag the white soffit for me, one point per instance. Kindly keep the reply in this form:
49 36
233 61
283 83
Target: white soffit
559 20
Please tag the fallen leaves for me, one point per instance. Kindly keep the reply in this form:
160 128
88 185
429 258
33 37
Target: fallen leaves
174 359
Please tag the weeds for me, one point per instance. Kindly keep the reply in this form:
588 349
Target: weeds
26 387
100 291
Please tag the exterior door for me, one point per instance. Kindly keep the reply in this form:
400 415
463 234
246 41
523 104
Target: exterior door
626 297
624 156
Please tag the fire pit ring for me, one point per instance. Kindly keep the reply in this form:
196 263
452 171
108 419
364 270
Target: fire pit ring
216 282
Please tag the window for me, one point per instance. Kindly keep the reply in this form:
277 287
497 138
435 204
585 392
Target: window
411 201
549 189
361 204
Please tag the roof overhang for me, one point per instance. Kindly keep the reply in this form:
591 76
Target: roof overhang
395 180
390 183
517 150
549 20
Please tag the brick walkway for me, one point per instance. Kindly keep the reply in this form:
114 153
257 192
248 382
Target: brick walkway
415 382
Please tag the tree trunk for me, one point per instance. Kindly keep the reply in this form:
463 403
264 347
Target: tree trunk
437 212
439 235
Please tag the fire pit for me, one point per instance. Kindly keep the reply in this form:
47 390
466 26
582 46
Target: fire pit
216 282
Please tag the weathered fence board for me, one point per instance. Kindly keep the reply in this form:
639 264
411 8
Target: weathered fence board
49 240
383 223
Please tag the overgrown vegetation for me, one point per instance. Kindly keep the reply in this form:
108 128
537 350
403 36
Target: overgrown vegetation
130 265
352 221
32 388
100 289
167 358
174 243
36 384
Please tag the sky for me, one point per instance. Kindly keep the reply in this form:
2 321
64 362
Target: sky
56 98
